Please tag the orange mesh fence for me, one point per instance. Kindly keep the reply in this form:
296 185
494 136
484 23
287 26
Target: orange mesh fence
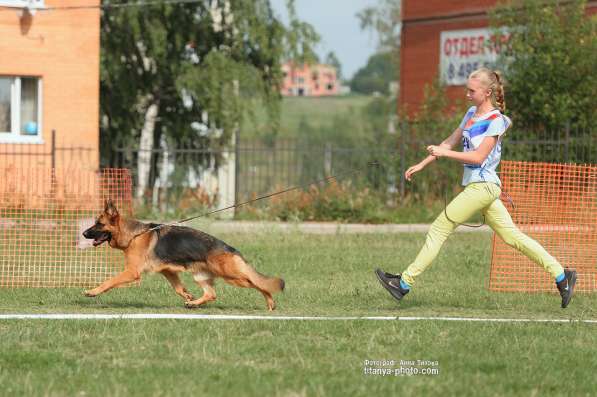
42 215
555 204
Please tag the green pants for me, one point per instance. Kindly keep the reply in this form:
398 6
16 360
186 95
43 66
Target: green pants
482 197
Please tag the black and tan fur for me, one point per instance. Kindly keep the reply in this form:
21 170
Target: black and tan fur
170 250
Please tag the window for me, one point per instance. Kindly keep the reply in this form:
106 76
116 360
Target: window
20 110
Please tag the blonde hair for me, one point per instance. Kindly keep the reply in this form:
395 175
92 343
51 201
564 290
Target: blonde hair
492 80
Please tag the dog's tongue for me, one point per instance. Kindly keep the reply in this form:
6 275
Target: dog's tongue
84 243
99 241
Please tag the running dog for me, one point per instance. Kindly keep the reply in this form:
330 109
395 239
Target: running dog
172 249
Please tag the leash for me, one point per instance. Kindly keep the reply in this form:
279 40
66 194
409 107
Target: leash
326 179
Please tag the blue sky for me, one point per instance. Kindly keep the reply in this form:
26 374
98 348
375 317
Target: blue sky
338 26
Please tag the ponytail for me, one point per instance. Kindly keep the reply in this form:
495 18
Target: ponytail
497 93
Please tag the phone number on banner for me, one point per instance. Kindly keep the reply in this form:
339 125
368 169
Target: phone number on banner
457 73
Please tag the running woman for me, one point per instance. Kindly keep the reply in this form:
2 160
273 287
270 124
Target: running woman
481 132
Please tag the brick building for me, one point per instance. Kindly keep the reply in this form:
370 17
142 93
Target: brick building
49 76
309 80
446 38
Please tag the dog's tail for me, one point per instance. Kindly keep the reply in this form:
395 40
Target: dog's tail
270 284
261 281
253 278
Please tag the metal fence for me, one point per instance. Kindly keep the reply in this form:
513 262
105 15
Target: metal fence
263 167
184 175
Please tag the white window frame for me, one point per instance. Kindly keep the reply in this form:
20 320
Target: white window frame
23 3
14 136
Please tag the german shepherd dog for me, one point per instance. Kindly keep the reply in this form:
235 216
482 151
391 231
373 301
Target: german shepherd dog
172 249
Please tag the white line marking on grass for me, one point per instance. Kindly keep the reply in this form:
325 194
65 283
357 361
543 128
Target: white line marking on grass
499 320
175 316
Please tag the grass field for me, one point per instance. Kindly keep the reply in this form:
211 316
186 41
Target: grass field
325 275
318 112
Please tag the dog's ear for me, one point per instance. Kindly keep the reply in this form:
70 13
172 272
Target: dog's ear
110 209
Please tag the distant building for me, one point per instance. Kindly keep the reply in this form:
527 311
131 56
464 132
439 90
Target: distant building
309 80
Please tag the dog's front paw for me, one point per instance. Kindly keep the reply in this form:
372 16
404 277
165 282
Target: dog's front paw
90 293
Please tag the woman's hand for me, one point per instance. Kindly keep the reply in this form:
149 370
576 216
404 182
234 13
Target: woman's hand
437 151
415 168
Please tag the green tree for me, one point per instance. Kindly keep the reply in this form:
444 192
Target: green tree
376 75
332 60
385 21
191 70
550 69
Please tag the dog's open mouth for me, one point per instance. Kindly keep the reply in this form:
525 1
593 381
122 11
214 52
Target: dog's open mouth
102 238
